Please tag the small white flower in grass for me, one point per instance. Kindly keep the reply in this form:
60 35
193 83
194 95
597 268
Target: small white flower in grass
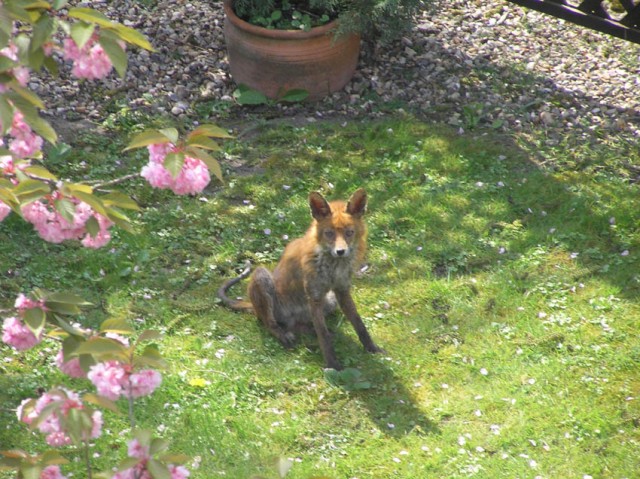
479 184
484 371
285 237
219 353
445 386
500 184
502 250
531 381
542 315
396 460
478 413
286 187
419 248
462 440
267 231
533 464
574 255
404 453
519 351
587 476
495 429
552 230
625 253
480 449
533 443
391 425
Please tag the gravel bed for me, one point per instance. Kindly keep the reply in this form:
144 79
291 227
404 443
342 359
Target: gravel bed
484 62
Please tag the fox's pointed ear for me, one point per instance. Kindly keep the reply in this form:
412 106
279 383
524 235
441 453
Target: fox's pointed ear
320 209
357 204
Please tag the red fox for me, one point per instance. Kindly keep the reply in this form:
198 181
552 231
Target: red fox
313 275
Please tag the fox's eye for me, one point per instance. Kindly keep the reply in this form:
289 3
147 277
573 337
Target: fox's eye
348 233
329 234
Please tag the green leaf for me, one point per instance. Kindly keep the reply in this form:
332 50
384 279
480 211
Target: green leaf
42 31
6 115
125 464
151 357
158 470
41 172
294 96
116 325
149 335
66 326
143 436
120 200
30 471
70 298
91 16
51 458
7 64
30 190
59 4
101 346
93 201
171 133
65 309
212 163
146 138
101 402
173 162
66 209
158 445
133 37
247 96
81 33
212 131
119 218
35 319
116 54
27 95
204 142
92 226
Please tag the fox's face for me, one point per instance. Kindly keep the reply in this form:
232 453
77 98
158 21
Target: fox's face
339 225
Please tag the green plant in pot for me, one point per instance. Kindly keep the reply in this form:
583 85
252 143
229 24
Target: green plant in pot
275 46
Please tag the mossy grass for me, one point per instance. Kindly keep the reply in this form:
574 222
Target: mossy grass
504 292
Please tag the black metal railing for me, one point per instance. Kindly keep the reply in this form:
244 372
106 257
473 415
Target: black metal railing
620 18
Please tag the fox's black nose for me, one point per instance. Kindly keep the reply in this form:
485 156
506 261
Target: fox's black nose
340 252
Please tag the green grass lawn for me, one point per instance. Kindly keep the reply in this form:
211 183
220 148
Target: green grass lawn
505 294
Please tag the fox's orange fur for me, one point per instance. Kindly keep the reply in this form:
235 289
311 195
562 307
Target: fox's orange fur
313 275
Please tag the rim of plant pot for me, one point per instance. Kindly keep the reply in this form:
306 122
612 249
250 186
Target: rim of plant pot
276 34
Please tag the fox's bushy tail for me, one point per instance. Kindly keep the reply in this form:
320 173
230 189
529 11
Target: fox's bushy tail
235 304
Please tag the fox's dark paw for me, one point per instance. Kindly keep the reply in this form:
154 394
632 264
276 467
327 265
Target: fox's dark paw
375 349
288 340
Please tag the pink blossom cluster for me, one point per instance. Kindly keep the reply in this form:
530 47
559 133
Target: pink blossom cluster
17 335
113 379
52 227
71 367
24 142
53 424
20 73
90 61
139 471
14 332
7 167
52 472
192 179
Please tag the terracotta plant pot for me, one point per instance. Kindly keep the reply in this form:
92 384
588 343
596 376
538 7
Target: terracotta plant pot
276 61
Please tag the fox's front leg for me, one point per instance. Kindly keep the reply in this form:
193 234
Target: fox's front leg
324 336
262 291
349 309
